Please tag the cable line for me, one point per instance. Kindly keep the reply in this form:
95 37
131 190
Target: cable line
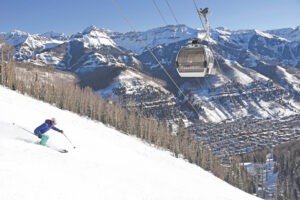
160 13
172 12
153 55
118 9
206 27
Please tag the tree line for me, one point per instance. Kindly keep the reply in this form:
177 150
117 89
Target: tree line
288 168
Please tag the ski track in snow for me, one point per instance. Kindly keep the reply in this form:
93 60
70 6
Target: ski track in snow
105 165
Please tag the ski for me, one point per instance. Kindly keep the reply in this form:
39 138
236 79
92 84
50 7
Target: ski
62 150
55 149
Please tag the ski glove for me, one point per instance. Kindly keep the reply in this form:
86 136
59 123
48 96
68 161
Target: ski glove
61 131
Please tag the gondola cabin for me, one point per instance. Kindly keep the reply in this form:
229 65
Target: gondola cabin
195 60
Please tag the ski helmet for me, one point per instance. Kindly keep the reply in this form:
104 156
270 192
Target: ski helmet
53 120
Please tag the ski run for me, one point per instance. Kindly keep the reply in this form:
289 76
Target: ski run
106 164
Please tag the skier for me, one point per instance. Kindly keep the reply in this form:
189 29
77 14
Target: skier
43 128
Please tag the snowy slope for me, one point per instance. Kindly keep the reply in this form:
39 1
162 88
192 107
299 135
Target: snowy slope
106 164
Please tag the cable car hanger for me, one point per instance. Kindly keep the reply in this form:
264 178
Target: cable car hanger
196 59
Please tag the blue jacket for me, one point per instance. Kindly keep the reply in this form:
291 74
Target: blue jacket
46 126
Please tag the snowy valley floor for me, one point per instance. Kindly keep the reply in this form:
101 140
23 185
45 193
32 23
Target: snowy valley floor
105 165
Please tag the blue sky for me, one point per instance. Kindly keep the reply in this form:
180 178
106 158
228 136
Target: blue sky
71 16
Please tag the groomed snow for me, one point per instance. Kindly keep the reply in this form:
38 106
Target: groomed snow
105 165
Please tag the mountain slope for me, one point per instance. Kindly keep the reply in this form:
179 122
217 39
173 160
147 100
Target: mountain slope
106 164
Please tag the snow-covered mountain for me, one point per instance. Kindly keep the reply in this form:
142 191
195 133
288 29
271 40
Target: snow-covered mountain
105 165
54 35
291 34
138 42
258 71
28 46
249 47
273 46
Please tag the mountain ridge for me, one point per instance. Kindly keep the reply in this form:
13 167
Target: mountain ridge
247 61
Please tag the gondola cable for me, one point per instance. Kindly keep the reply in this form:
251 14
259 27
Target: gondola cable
175 18
206 27
209 46
160 13
162 16
172 12
118 9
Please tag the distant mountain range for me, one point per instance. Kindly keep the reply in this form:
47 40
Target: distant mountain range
258 71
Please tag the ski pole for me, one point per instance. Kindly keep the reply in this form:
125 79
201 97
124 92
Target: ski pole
69 140
23 128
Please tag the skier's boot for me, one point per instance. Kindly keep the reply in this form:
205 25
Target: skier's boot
44 139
